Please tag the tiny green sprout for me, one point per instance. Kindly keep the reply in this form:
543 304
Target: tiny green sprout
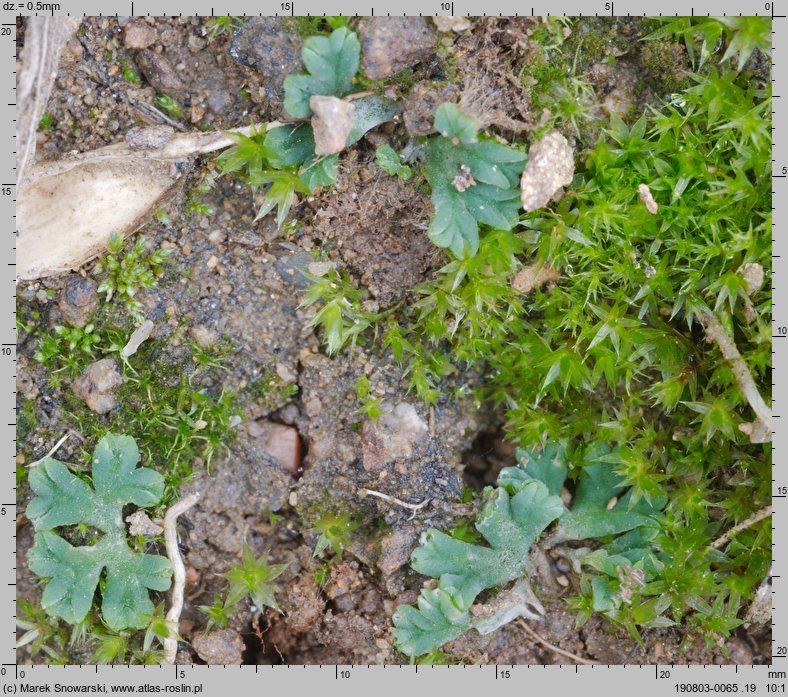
253 577
391 162
466 494
130 272
26 320
168 104
41 633
219 613
197 208
219 26
466 532
163 217
159 627
333 531
193 205
48 349
337 22
77 338
342 315
67 348
129 72
369 404
111 647
436 657
46 123
322 575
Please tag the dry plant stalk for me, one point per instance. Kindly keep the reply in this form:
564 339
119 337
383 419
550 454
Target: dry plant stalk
45 38
760 430
67 209
756 517
552 647
415 507
178 573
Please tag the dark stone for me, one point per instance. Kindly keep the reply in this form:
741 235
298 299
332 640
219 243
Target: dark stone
264 45
79 300
391 44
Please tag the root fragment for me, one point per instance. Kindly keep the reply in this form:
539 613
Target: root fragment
760 430
54 449
553 648
178 574
415 507
756 517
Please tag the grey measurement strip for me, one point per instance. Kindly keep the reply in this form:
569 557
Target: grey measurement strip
405 7
8 328
387 680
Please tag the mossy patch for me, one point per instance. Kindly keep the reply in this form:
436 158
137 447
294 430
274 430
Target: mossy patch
26 418
165 404
666 64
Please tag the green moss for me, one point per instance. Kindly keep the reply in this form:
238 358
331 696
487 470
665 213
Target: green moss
270 391
553 32
129 72
558 87
333 532
169 105
177 424
41 634
666 64
544 74
303 26
591 41
368 404
26 418
313 508
612 351
222 25
404 81
600 39
542 36
46 123
124 272
310 26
